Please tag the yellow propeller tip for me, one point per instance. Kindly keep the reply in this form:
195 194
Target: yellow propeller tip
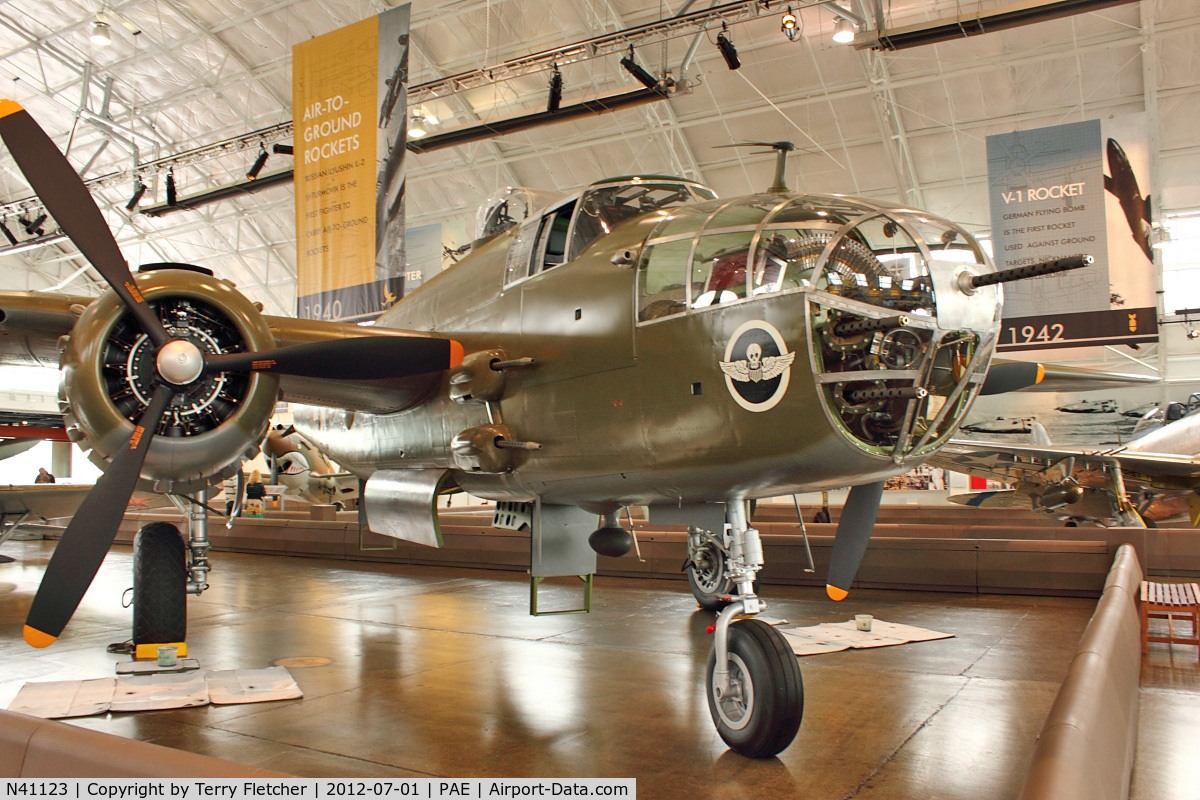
835 593
35 638
1041 373
9 107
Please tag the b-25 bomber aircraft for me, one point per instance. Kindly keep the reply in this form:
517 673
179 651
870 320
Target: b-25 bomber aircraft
640 342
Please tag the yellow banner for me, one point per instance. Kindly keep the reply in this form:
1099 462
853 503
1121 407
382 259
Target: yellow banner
335 104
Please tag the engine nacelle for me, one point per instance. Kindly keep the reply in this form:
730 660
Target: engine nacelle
108 366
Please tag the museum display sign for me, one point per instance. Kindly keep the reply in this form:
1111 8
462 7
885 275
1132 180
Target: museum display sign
1068 189
349 99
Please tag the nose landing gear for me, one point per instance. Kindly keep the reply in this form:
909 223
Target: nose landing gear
755 692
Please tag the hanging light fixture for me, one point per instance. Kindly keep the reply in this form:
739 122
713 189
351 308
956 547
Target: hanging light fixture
633 68
556 88
728 51
171 196
844 31
417 125
258 164
139 189
7 233
101 35
282 149
34 228
789 25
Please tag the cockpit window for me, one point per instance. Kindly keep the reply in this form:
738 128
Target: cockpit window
945 243
603 208
661 288
747 211
719 268
888 277
552 240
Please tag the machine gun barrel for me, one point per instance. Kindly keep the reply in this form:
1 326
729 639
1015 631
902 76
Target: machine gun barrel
1028 271
849 327
857 396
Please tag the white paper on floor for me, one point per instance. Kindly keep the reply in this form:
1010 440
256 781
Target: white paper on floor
60 699
226 686
156 692
830 637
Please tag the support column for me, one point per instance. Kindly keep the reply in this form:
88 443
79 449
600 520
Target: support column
60 459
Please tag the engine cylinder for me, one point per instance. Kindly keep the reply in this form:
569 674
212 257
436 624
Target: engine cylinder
109 368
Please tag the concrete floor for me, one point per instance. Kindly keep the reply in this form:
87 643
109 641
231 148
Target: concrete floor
437 672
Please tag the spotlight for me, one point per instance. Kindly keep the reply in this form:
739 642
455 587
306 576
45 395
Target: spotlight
101 36
139 189
282 149
171 198
417 126
843 31
7 233
789 25
1193 334
556 87
258 165
728 51
35 228
633 68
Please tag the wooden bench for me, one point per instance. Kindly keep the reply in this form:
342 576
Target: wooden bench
1166 601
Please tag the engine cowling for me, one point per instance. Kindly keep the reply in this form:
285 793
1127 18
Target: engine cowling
108 369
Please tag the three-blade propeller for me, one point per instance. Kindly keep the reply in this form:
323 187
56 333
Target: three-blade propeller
87 539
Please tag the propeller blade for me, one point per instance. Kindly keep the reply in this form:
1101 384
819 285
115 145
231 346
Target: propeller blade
361 358
91 532
1012 376
853 534
64 195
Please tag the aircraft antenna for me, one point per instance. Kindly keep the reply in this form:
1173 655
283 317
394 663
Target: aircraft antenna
779 186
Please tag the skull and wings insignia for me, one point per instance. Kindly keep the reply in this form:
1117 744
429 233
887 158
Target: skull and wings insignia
754 368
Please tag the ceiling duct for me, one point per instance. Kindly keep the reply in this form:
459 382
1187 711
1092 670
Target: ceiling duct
501 127
1000 18
221 193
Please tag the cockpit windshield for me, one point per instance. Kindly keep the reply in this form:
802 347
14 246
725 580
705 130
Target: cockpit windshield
602 208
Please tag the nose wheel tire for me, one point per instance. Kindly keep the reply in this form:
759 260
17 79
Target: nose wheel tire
159 585
708 577
760 714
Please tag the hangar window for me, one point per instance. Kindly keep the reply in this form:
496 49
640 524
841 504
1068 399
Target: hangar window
719 268
661 290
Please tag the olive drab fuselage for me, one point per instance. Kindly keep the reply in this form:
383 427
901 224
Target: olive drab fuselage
703 364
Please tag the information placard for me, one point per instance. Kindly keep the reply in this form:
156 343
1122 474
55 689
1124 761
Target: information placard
1062 191
349 102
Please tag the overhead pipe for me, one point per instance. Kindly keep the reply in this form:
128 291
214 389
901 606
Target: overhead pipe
502 127
1001 18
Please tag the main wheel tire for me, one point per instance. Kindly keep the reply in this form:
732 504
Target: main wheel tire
708 578
159 585
761 714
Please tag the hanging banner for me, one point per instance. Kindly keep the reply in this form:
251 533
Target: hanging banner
1065 190
349 91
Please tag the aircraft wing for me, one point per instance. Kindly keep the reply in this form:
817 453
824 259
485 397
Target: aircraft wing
43 500
1008 462
375 396
1044 377
31 324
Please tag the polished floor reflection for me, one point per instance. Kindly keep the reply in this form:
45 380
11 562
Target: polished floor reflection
437 672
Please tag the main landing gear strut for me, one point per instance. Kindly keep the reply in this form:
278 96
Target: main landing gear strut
755 693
